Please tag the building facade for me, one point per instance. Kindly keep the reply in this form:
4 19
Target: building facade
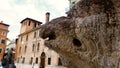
10 45
31 49
3 38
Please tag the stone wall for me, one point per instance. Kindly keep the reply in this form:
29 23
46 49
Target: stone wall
20 65
89 37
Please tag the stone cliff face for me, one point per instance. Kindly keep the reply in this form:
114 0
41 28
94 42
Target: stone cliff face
89 37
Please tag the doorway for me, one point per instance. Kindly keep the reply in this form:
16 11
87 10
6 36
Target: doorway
42 63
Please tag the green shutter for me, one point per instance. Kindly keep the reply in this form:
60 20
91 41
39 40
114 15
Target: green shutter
0 50
3 41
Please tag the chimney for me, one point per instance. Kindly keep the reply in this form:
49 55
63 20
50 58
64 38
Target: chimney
47 17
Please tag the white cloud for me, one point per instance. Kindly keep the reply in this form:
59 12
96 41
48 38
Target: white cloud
14 11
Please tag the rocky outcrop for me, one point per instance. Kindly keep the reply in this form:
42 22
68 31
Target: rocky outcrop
89 37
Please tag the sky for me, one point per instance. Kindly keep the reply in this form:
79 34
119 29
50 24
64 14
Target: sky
12 12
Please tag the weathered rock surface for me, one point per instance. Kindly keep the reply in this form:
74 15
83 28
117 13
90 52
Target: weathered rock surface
89 37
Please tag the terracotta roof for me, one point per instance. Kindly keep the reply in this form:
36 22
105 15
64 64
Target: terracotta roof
4 24
30 19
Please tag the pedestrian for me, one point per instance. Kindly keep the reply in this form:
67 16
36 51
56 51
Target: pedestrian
5 60
11 58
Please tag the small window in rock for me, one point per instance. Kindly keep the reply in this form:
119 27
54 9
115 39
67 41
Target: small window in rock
77 43
59 62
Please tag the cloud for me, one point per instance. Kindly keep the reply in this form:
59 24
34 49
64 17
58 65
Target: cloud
14 11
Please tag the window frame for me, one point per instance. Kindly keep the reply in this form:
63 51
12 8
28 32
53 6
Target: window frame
2 41
36 60
49 61
4 33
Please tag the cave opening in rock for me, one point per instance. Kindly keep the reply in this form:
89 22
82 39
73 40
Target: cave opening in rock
76 42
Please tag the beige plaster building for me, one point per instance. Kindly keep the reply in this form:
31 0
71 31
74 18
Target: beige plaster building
30 48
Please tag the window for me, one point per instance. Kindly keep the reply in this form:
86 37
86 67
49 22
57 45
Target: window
7 49
38 46
21 38
34 34
35 25
18 60
33 48
42 58
73 2
0 50
2 41
23 61
31 60
36 60
3 33
49 61
59 62
39 33
29 23
24 23
27 38
25 49
19 49
38 24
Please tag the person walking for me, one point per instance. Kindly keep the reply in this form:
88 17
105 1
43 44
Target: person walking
11 58
5 60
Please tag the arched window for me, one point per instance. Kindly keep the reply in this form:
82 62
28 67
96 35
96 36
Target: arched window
42 64
59 62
